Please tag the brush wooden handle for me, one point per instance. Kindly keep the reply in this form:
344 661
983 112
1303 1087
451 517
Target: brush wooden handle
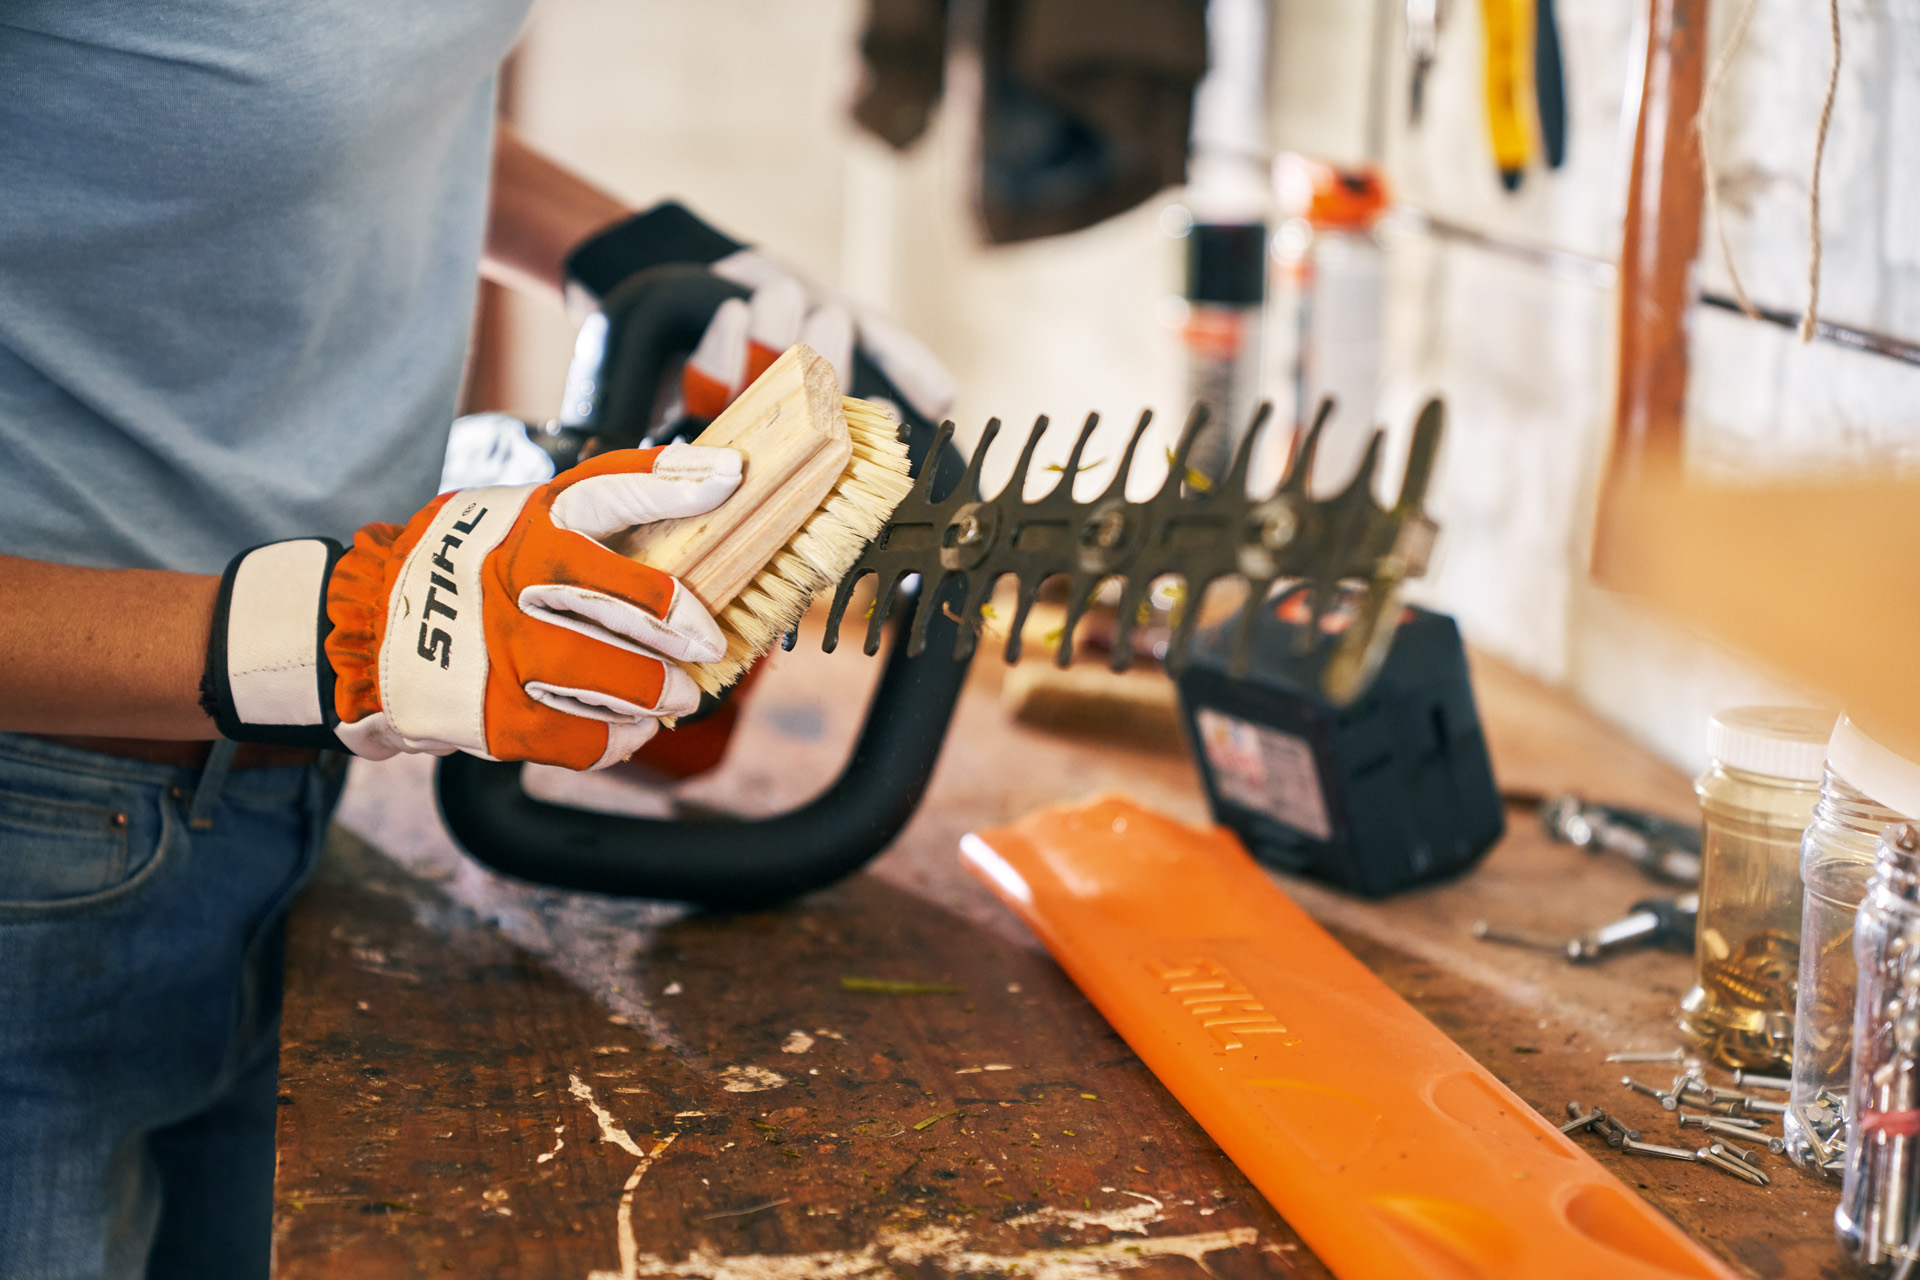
791 431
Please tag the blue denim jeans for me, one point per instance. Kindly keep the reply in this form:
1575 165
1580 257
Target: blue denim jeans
142 927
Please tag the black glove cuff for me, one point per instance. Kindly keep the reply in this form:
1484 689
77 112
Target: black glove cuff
267 677
668 232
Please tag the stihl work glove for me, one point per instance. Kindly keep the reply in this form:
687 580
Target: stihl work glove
745 336
494 622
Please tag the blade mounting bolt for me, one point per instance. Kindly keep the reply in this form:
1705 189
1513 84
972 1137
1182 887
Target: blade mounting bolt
1279 528
1107 530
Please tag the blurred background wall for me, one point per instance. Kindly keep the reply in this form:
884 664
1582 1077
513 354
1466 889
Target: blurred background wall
738 107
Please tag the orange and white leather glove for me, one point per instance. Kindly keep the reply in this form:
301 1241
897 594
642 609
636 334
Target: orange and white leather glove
747 335
495 622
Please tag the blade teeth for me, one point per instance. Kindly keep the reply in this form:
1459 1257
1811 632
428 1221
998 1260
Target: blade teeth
1126 622
837 612
1235 481
931 595
1302 466
1080 589
1182 638
1072 469
930 465
972 623
1362 481
1118 485
1016 633
1420 458
1196 421
969 490
1017 483
885 597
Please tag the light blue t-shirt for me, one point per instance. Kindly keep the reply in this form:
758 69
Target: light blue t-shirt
238 246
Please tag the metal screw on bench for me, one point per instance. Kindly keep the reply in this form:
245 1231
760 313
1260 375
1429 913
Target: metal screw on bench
1716 1156
1637 1148
1486 931
1579 1120
1677 1056
1647 1091
1751 1159
1726 1126
1617 1134
1748 1080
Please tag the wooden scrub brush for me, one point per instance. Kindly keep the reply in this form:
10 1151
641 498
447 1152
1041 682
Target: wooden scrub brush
821 474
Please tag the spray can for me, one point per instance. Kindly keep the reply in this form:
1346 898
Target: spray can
1226 280
1329 299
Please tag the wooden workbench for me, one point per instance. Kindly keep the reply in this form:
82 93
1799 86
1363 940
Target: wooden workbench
486 1079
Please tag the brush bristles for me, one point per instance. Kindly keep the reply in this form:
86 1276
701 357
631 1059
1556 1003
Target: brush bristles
819 555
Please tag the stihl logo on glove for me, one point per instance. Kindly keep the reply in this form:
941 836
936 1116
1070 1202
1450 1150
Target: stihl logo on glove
438 646
496 622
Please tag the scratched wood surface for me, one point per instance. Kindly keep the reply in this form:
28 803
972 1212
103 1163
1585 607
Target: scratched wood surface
486 1078
451 1104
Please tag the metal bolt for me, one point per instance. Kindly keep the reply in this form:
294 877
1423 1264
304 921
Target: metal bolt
1617 1134
1486 931
1734 1149
1581 1121
967 530
1716 1156
1279 528
1746 1124
1646 1091
1749 1080
1108 529
1732 1163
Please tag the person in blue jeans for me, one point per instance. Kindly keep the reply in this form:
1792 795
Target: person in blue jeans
239 246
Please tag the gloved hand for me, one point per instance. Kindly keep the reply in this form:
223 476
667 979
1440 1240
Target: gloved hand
745 337
494 622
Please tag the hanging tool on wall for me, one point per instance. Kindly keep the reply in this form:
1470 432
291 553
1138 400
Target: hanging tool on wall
1424 18
936 562
1506 35
1549 84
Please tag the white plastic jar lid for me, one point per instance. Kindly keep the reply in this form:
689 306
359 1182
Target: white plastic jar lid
1776 742
1874 771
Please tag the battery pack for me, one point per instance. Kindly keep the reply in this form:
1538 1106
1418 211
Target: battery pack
1391 791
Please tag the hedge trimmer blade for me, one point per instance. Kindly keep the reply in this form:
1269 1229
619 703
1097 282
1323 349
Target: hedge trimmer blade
1195 528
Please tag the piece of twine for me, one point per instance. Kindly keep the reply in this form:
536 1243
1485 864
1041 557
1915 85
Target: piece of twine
1809 320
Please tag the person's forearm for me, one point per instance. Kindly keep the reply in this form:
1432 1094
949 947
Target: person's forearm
106 652
539 213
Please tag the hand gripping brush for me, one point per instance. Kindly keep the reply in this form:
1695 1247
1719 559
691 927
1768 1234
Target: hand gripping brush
822 473
937 557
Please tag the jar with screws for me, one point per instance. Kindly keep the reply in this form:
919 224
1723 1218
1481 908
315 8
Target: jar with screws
1756 800
1877 1217
1867 788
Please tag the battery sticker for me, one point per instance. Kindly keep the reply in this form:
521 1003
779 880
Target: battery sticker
1265 770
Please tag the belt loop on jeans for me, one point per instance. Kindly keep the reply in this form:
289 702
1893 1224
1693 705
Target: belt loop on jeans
206 792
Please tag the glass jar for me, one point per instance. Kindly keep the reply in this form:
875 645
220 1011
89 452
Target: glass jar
1836 860
1756 800
1876 1217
